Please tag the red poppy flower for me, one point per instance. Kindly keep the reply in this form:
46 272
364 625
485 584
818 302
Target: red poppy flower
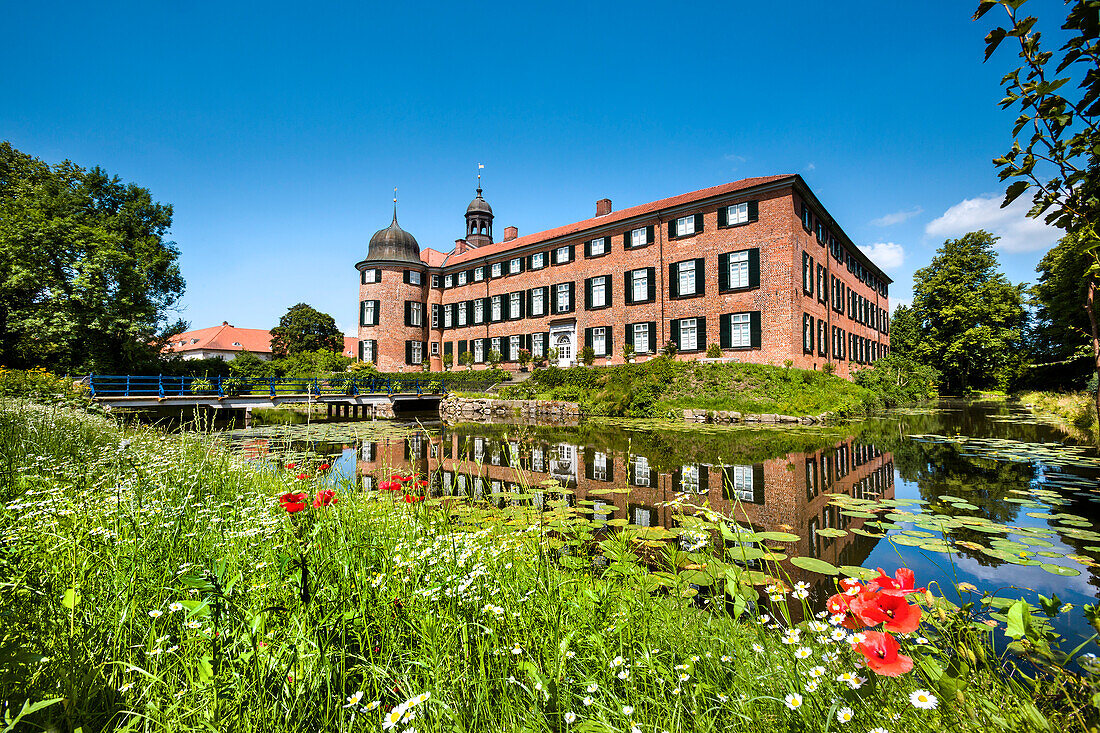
303 476
880 652
409 499
323 467
901 584
422 484
389 486
291 466
889 608
397 477
293 502
325 497
841 605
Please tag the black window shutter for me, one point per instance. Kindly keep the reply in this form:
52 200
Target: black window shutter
629 337
545 343
608 289
572 252
408 352
698 223
608 347
405 274
651 282
463 347
673 281
754 267
363 313
701 333
408 312
704 478
530 300
374 349
627 298
588 294
674 332
626 239
672 229
725 338
754 329
653 345
572 299
754 211
700 276
588 248
724 272
377 311
522 264
522 310
649 234
448 347
723 216
588 338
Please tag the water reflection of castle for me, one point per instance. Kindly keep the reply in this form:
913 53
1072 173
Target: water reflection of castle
789 492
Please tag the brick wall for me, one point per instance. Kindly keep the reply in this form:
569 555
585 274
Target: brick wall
391 333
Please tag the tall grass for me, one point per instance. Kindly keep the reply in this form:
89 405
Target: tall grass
152 582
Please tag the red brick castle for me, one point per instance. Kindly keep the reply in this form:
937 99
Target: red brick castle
757 267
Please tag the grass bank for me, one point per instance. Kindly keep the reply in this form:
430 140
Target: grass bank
663 387
1075 411
153 582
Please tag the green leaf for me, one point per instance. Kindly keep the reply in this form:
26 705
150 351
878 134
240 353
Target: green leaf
1018 620
70 599
814 565
778 536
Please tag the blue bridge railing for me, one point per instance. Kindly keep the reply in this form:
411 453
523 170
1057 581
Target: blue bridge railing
111 385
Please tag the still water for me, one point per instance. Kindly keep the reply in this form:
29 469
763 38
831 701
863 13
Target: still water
974 492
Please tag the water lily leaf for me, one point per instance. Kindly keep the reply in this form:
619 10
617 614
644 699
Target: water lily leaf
831 532
815 565
778 536
1060 570
855 571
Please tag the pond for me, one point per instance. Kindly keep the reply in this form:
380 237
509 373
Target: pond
961 492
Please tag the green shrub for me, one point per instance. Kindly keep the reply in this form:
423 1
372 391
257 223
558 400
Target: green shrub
714 351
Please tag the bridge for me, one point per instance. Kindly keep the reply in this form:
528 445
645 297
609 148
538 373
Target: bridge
349 395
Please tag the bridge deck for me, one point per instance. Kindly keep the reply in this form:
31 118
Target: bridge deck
246 401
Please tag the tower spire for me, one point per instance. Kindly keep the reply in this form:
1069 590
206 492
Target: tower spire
395 203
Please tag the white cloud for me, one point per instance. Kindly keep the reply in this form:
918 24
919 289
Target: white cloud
1017 232
897 217
887 255
810 167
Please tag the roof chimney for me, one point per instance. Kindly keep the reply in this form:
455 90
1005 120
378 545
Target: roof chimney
603 207
225 323
510 233
460 246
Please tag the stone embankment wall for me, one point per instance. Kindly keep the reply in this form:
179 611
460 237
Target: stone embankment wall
465 409
727 416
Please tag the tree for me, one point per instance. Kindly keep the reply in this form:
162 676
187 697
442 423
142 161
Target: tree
302 328
87 279
1059 160
494 358
904 331
1061 337
971 317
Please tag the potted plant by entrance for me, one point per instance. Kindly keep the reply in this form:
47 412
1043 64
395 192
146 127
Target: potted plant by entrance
466 359
588 356
524 359
628 353
714 351
494 358
448 360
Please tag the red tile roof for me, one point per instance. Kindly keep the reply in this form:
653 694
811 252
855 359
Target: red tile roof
614 216
230 338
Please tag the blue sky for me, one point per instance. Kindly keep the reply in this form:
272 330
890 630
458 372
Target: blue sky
278 130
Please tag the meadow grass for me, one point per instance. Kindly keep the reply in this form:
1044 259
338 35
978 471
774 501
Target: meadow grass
153 582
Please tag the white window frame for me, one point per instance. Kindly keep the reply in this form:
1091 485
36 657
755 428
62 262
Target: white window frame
740 330
448 281
497 305
561 255
538 348
479 274
685 225
600 463
494 345
416 313
639 279
737 213
638 237
462 278
414 277
448 317
644 339
514 304
370 276
538 261
600 242
689 326
513 348
461 308
435 348
641 471
368 313
739 269
538 302
513 266
689 480
600 282
479 311
417 352
599 341
561 300
685 274
741 478
368 351
496 269
479 350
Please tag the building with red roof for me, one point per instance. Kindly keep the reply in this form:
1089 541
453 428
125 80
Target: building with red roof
757 270
227 341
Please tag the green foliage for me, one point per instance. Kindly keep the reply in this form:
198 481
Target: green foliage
1060 340
588 356
663 386
466 359
448 360
249 366
303 328
904 331
37 383
714 351
899 380
493 358
87 280
972 319
669 349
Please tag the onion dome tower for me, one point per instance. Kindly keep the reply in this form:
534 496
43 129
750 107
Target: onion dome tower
479 221
394 244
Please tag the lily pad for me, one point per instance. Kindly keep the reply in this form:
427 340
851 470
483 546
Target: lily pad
815 565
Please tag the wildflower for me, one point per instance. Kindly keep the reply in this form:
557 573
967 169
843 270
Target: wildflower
293 501
838 635
800 593
325 497
176 606
587 700
623 674
811 686
628 710
353 700
889 608
676 691
845 677
393 717
726 658
765 618
156 613
757 648
684 677
593 687
303 476
921 640
792 636
635 729
880 652
803 652
617 662
844 715
817 671
192 624
901 584
857 638
878 730
570 717
856 682
291 466
517 649
126 687
372 706
793 701
923 699
570 654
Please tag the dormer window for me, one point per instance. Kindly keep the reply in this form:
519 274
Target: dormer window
236 343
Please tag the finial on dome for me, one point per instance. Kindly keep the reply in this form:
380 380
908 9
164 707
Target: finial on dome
395 203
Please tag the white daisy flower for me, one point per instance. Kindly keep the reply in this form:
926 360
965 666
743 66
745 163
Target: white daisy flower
811 686
570 654
844 715
624 674
628 710
616 662
923 699
156 613
793 701
803 652
570 717
817 671
175 606
757 648
372 706
517 649
587 701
